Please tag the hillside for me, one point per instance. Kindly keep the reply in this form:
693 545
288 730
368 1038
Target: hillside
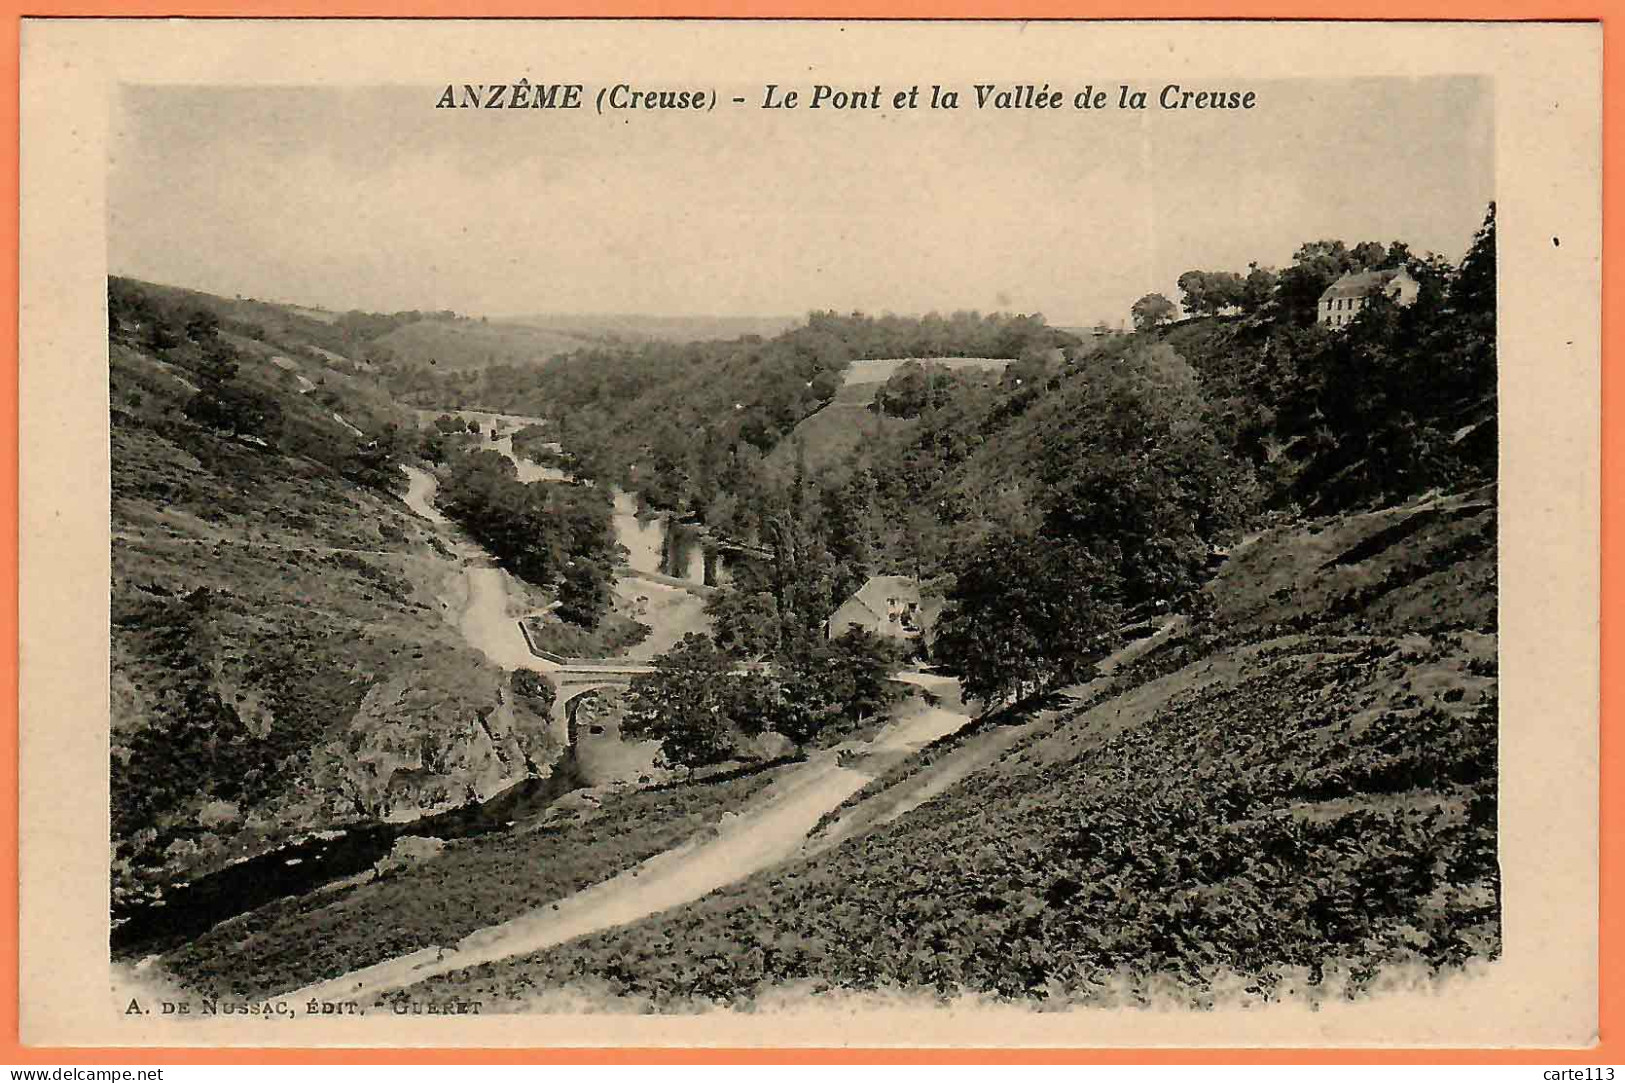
285 656
1291 797
338 340
460 344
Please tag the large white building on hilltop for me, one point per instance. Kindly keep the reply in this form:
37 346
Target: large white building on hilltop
1344 298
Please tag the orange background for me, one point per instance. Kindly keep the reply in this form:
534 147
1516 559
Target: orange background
1612 1046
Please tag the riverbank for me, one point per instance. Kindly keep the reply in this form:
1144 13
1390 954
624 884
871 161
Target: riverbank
308 865
757 834
472 883
491 763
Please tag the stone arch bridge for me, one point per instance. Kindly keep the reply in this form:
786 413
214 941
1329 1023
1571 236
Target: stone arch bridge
577 679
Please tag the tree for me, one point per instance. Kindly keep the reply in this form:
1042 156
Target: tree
202 327
1210 292
535 689
1368 256
219 364
1229 288
905 392
160 335
1140 519
584 593
1315 266
1258 288
236 410
1151 311
744 623
687 704
863 663
1025 614
1473 291
1471 301
829 686
376 464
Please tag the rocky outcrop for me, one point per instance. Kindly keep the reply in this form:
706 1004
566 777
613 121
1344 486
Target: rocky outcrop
410 751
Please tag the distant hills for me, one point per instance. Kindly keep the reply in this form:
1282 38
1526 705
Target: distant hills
399 343
639 327
463 344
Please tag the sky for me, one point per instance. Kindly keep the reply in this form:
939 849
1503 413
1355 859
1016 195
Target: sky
370 198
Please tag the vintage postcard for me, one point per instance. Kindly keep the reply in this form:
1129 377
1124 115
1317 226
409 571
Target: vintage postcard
653 533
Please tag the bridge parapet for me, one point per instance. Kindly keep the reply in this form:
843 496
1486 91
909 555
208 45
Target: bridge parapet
566 662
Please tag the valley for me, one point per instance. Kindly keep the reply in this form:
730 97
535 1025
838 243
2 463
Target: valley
944 656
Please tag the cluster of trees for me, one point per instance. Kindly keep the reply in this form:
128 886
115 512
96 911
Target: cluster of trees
1403 399
1291 292
554 534
1318 264
1400 400
1130 489
363 327
1209 293
917 386
1044 513
704 707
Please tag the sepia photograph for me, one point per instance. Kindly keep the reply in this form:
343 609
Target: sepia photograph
684 548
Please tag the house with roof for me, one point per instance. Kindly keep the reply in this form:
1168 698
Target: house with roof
1344 298
888 605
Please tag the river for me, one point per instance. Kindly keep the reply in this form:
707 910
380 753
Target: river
655 544
304 865
667 574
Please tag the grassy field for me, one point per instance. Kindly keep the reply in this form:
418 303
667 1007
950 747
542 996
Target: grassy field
876 372
829 435
1292 799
